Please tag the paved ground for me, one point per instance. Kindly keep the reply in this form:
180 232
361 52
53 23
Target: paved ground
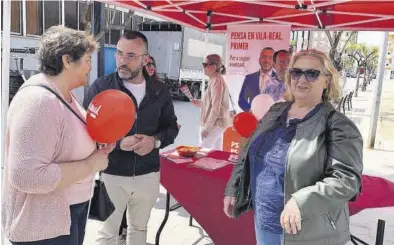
362 111
177 231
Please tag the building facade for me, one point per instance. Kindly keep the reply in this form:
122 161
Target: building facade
30 19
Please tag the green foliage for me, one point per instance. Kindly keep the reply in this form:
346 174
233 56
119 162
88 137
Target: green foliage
364 56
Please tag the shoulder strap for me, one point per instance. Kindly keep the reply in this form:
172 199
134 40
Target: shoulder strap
229 95
59 97
328 126
329 117
231 100
64 102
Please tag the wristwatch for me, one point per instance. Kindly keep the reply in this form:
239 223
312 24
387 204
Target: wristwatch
157 142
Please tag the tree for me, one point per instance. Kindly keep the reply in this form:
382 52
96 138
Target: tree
334 37
293 46
363 56
370 68
347 63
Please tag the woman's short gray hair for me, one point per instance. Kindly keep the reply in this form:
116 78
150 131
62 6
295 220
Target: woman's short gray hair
58 41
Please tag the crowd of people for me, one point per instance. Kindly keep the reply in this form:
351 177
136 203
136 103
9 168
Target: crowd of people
297 171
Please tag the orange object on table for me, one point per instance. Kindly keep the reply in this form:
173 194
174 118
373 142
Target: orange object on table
231 140
187 151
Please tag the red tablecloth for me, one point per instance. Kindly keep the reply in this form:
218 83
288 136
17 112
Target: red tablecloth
200 192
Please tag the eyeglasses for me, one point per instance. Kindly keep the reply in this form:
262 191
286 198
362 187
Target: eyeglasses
206 64
311 75
127 57
151 65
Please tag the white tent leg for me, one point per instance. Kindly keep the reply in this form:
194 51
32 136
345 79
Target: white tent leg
63 13
378 94
1 124
5 71
206 40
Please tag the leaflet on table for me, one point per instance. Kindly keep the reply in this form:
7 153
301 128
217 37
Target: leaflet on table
209 163
233 158
181 160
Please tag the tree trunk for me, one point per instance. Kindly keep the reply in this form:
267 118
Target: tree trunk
357 83
364 87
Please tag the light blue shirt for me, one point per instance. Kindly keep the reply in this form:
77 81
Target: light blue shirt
276 89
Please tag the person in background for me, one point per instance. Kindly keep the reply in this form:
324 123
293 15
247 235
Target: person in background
132 178
302 165
276 87
253 82
215 104
50 158
151 68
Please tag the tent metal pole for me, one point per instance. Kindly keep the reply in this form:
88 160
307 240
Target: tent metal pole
5 77
5 72
378 94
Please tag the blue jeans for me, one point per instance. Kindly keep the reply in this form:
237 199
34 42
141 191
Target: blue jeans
267 238
79 213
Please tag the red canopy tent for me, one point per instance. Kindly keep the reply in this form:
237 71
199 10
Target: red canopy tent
349 15
215 16
301 15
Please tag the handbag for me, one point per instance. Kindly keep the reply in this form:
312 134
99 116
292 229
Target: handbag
100 206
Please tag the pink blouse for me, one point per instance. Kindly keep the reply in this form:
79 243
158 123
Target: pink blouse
41 133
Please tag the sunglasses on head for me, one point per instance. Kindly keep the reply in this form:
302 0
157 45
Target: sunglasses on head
311 75
206 64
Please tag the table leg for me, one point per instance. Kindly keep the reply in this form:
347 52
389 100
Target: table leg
380 232
163 223
379 235
357 241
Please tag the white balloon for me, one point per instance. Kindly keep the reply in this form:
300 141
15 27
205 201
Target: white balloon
260 105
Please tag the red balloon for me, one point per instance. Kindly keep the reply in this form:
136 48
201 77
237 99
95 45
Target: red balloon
110 116
245 123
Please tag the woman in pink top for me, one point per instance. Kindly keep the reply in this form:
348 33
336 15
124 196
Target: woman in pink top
50 158
215 104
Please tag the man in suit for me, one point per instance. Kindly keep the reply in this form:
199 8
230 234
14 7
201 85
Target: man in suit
253 82
277 87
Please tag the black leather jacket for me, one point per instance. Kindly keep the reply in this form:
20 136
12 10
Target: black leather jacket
324 168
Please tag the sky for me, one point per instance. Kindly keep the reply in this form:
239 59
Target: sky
371 38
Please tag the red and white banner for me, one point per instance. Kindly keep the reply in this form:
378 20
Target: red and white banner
244 45
245 42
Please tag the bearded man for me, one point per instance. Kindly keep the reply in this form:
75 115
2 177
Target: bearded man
132 178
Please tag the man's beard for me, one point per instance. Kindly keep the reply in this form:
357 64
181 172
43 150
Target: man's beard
127 73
